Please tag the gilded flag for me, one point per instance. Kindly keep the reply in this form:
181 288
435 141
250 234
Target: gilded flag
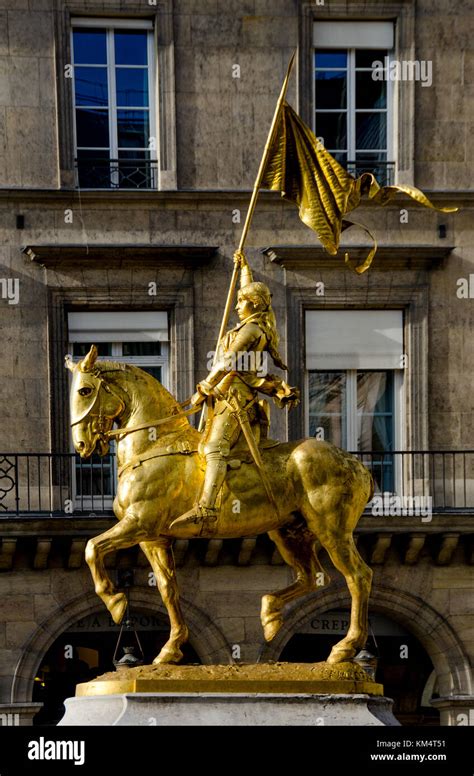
304 172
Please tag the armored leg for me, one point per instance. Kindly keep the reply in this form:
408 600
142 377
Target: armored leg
216 467
223 435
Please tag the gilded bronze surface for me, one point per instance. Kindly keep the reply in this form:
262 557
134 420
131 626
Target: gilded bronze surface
228 481
291 678
320 492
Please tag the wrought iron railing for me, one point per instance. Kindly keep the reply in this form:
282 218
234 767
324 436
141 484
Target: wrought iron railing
96 173
56 484
414 482
383 171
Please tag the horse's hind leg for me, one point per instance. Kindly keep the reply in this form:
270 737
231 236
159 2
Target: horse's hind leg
160 556
297 548
121 535
358 575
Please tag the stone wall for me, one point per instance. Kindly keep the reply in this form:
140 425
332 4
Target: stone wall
432 603
219 124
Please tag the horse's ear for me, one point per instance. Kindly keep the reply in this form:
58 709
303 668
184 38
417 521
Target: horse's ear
69 363
87 363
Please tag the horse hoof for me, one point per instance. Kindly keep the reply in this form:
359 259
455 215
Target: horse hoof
117 606
271 628
341 654
168 655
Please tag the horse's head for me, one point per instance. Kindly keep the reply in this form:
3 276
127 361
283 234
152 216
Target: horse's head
94 406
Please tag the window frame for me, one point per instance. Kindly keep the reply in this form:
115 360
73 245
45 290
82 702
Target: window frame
351 400
110 25
105 501
351 109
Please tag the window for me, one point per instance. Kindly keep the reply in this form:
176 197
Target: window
354 110
354 383
140 339
113 104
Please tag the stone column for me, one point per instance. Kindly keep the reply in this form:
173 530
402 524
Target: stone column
455 709
18 714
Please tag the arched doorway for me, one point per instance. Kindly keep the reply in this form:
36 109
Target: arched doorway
86 650
207 642
432 630
403 665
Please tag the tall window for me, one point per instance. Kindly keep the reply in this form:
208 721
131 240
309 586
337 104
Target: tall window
353 103
140 339
354 381
113 99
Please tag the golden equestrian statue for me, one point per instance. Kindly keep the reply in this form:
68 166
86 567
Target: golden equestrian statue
319 491
232 481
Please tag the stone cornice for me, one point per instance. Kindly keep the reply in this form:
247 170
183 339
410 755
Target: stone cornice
460 522
52 255
178 197
388 257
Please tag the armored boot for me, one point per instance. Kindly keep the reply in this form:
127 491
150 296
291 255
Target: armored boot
206 510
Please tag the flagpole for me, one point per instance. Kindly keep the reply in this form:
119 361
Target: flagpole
253 202
248 217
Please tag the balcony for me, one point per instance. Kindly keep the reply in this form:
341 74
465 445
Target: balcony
104 173
423 505
407 484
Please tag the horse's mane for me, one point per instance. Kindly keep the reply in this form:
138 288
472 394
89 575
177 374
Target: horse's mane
116 366
112 366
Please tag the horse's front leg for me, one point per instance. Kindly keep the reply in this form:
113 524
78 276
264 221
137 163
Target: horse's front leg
160 555
124 534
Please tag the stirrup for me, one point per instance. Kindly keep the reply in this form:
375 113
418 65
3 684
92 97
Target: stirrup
198 515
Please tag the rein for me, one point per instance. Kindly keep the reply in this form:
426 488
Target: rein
124 431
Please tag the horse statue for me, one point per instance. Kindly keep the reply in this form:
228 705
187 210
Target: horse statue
320 492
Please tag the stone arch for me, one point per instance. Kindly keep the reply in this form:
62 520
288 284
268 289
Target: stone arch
434 633
207 640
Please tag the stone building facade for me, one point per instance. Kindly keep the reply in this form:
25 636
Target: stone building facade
156 234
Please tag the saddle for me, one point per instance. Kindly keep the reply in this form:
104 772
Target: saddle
241 454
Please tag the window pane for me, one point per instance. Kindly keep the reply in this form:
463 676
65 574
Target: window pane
371 130
131 48
82 348
92 128
89 47
332 127
91 85
94 478
365 57
154 371
339 157
327 406
132 86
370 93
141 349
93 169
375 411
331 89
331 58
133 128
375 425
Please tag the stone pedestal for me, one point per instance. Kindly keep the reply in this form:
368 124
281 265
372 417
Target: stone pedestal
265 694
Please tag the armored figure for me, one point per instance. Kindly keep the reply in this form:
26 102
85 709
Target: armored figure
234 383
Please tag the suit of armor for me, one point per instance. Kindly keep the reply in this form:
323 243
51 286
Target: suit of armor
234 382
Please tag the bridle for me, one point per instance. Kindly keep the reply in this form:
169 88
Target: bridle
99 424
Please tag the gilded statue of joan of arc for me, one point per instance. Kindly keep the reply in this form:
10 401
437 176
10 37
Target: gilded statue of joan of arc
234 383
